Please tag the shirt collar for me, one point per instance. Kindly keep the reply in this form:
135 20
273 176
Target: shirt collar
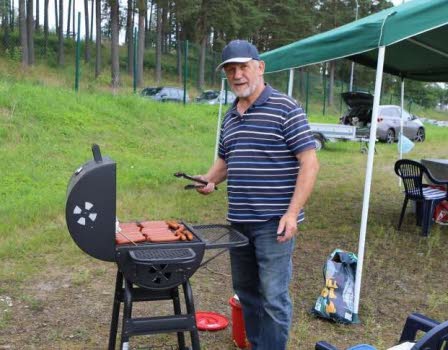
265 94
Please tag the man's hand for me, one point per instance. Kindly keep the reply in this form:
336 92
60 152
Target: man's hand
288 226
209 188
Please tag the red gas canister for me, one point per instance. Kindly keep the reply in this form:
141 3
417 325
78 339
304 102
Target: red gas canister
238 328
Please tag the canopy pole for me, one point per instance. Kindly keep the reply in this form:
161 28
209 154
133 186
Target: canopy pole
368 181
291 81
401 117
401 123
218 127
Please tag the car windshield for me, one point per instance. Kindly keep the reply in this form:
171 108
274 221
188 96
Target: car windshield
151 91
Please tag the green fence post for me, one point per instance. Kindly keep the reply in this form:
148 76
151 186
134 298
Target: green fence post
185 70
78 43
325 91
307 90
135 60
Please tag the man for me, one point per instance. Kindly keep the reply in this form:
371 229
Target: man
264 140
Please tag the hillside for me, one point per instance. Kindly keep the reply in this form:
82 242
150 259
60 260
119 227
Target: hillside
46 131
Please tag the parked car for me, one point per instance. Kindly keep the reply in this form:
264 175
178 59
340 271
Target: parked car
359 114
213 97
165 94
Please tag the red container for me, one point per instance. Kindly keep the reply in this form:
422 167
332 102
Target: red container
238 328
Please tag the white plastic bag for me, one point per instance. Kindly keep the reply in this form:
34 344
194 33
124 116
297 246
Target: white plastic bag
405 144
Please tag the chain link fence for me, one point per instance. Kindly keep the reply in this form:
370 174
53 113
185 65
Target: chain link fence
180 67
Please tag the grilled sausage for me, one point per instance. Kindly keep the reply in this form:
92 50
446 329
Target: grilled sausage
172 224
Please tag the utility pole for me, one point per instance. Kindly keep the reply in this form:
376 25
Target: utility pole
353 63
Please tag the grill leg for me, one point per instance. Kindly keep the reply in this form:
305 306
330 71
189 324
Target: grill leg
115 310
190 310
178 311
127 314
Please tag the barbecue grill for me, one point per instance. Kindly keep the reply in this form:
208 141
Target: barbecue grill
147 271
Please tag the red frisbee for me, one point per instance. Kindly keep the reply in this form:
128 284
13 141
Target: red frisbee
210 321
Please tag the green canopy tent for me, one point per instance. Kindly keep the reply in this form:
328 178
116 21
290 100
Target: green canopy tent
415 34
409 41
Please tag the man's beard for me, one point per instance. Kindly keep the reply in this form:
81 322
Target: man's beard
247 91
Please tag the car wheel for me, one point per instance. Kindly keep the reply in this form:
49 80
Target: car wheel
390 136
420 137
319 141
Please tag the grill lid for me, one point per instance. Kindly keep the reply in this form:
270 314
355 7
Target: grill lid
91 206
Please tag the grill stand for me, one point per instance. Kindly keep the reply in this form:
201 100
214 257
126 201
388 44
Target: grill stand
179 322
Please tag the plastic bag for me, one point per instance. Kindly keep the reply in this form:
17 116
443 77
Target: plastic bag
405 144
336 301
441 213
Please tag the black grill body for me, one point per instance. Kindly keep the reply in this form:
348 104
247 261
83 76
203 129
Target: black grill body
162 265
146 271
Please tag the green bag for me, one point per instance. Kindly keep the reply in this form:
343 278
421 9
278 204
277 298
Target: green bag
336 300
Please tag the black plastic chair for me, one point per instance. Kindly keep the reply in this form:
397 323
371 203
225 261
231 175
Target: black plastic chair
426 197
435 337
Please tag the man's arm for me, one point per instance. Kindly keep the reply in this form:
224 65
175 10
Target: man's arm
215 175
309 167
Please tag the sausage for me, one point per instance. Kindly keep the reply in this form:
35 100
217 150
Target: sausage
172 224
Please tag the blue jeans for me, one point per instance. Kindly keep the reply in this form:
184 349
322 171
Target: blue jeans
261 273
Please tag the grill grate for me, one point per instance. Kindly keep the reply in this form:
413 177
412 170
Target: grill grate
172 254
219 236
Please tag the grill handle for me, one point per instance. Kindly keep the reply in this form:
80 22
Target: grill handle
96 153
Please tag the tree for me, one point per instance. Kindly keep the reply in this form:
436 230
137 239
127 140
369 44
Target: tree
61 33
73 16
203 28
130 36
142 9
5 18
158 70
69 12
37 24
98 38
23 32
114 21
87 37
46 4
91 20
56 19
30 31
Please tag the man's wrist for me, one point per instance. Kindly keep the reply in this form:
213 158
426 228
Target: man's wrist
292 212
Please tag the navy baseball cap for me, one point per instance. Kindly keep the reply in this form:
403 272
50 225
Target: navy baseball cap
238 51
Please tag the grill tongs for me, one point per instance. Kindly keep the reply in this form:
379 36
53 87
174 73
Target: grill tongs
192 178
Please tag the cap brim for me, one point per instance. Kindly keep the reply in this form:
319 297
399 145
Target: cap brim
234 60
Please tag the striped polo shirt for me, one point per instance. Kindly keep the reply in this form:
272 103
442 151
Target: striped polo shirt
259 148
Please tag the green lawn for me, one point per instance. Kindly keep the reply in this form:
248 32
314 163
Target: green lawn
46 133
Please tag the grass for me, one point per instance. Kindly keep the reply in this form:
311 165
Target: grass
46 132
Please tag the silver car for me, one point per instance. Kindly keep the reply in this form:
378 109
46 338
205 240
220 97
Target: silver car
213 97
165 94
388 122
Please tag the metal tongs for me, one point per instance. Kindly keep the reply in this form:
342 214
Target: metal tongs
193 186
